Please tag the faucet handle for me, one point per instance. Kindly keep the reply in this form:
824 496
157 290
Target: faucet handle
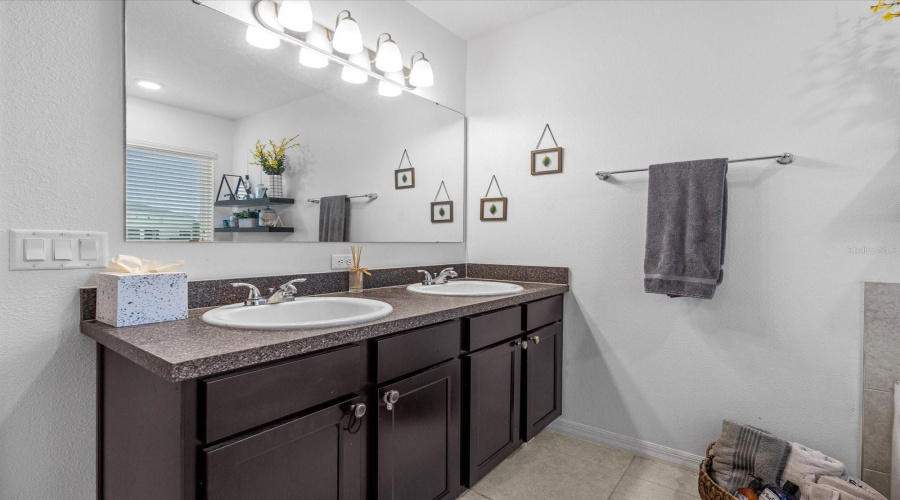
428 279
254 299
288 289
449 272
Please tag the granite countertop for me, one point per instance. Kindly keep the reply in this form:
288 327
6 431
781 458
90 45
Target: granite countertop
188 349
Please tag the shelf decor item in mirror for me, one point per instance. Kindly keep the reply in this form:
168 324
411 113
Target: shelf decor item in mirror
547 161
493 208
405 178
232 193
442 211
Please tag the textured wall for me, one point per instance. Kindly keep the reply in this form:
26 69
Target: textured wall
61 133
624 85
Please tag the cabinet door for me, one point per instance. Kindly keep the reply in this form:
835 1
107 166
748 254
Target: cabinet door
418 436
317 456
493 387
543 379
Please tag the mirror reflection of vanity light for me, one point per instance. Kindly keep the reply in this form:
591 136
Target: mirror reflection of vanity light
352 75
309 57
347 38
386 89
296 15
262 39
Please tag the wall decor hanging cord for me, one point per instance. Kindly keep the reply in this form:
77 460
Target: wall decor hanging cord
444 187
371 196
493 181
784 159
546 129
404 155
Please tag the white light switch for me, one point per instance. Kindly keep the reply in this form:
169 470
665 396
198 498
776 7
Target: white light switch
62 249
87 249
34 249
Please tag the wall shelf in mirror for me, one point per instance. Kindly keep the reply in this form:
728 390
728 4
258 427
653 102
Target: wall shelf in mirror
255 202
258 229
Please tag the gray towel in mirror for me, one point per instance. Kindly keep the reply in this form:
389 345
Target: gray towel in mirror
334 218
686 210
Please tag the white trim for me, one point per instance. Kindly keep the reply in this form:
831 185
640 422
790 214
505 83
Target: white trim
166 148
636 446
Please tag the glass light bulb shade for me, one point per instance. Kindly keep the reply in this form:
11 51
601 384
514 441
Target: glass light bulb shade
295 15
312 59
347 38
388 89
421 74
258 37
388 58
352 75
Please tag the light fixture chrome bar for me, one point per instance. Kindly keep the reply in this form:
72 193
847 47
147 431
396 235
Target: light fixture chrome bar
371 196
261 19
783 159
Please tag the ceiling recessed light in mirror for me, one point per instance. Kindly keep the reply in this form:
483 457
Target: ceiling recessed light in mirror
149 84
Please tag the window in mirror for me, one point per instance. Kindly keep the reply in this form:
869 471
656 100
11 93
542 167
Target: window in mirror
167 193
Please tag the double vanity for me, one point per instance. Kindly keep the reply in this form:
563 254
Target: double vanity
263 401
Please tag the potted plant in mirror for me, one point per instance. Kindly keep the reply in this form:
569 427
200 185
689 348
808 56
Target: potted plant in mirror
247 218
271 158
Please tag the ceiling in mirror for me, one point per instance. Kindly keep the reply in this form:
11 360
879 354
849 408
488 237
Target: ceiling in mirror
199 97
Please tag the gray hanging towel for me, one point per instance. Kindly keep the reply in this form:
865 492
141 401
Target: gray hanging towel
686 210
334 218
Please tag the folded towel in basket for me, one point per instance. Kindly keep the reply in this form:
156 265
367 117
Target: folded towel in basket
743 452
806 464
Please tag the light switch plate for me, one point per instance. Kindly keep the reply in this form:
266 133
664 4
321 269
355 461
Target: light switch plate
58 244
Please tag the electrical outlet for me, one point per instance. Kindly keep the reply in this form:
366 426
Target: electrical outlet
341 261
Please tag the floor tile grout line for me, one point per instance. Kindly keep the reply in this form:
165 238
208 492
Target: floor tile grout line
613 492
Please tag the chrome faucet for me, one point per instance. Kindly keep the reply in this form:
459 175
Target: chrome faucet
440 279
284 293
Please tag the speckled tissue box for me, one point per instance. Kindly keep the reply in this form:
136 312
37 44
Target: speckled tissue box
135 299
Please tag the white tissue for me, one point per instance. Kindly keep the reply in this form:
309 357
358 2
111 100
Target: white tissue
137 265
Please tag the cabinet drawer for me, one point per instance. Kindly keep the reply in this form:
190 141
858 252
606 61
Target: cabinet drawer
405 353
490 328
543 312
240 401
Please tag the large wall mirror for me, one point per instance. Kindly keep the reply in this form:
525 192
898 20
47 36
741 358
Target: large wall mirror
199 97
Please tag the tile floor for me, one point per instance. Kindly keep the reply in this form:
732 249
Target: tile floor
557 467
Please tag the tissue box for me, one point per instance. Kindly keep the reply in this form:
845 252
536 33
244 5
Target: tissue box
125 299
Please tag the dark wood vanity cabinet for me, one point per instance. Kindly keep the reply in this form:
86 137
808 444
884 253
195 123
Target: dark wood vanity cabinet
418 435
513 388
316 455
413 415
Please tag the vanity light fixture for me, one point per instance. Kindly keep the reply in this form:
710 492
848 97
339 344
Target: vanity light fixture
420 73
149 84
258 37
346 38
296 15
354 75
312 58
387 54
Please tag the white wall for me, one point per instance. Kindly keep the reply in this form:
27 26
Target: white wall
624 85
61 134
150 121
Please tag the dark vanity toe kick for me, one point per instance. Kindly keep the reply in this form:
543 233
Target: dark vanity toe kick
189 349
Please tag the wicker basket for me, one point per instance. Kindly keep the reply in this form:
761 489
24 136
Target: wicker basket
709 490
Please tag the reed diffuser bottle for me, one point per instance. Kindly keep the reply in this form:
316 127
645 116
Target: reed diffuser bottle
356 272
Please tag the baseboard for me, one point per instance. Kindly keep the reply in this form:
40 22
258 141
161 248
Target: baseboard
636 446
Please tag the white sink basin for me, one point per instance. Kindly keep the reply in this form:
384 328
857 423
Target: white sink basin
467 288
306 312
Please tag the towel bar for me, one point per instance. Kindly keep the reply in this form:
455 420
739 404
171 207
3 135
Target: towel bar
783 159
370 196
